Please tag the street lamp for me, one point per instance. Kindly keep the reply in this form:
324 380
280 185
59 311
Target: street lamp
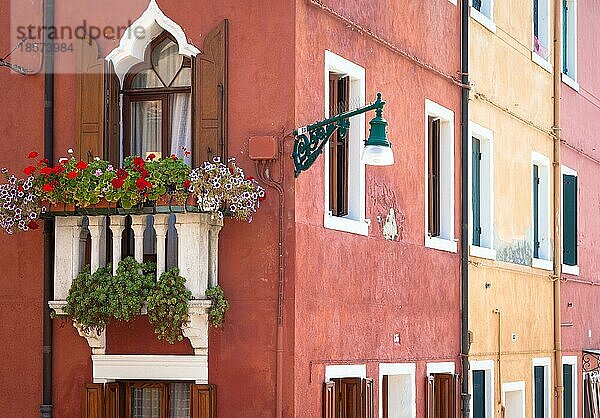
310 140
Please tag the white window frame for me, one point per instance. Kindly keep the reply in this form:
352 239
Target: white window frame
486 139
440 367
545 363
484 20
564 170
571 79
109 368
544 261
395 369
545 63
572 360
514 387
355 221
488 367
339 371
445 241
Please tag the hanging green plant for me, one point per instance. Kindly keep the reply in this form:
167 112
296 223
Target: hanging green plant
168 306
220 305
129 288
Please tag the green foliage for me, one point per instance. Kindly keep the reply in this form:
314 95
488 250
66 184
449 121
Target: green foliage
168 306
129 288
220 305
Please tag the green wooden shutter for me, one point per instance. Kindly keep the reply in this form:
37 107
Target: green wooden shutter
536 8
536 212
570 220
538 377
478 393
476 166
568 391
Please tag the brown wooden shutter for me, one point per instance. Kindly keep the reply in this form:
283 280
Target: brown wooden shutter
367 398
329 400
384 395
349 391
444 397
90 100
339 98
203 401
434 176
112 130
210 97
92 403
333 149
114 402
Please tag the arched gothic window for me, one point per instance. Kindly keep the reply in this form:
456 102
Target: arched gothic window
157 102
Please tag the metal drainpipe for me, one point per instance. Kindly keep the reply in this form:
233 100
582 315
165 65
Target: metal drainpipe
46 406
558 377
464 217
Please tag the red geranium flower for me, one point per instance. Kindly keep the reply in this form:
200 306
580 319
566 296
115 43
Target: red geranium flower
187 184
139 162
260 199
43 161
81 165
72 174
173 157
141 184
250 178
144 173
20 188
151 157
46 170
48 188
122 174
33 154
117 183
33 225
58 169
29 170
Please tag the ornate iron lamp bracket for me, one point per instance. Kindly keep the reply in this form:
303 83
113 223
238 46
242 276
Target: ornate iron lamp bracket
310 140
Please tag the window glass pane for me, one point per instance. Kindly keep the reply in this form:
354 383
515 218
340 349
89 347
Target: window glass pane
146 402
146 79
184 78
166 60
181 121
179 399
146 127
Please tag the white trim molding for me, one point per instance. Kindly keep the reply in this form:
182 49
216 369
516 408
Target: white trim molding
544 212
545 363
514 387
445 241
138 36
564 170
108 368
335 371
488 367
354 222
395 369
440 367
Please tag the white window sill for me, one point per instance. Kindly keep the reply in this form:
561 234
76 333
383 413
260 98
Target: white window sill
573 270
483 20
538 263
453 2
570 82
441 244
353 226
482 252
541 61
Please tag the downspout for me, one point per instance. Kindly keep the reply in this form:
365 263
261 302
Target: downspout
558 377
46 406
464 210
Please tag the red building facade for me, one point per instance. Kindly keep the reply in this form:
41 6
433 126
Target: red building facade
362 292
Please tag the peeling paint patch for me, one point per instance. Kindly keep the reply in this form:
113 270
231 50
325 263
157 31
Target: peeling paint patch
517 252
390 228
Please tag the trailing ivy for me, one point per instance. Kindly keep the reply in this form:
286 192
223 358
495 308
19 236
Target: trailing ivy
168 306
129 288
220 305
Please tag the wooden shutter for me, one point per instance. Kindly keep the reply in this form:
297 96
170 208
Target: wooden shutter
570 220
568 391
535 18
92 403
565 35
210 97
112 129
539 395
367 398
203 401
476 195
349 395
536 211
442 396
339 98
384 396
434 176
114 402
329 400
90 100
333 149
479 406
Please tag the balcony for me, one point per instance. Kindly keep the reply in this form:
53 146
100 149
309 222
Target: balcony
186 240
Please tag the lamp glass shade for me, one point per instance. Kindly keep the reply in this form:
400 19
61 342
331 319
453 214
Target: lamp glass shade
378 155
